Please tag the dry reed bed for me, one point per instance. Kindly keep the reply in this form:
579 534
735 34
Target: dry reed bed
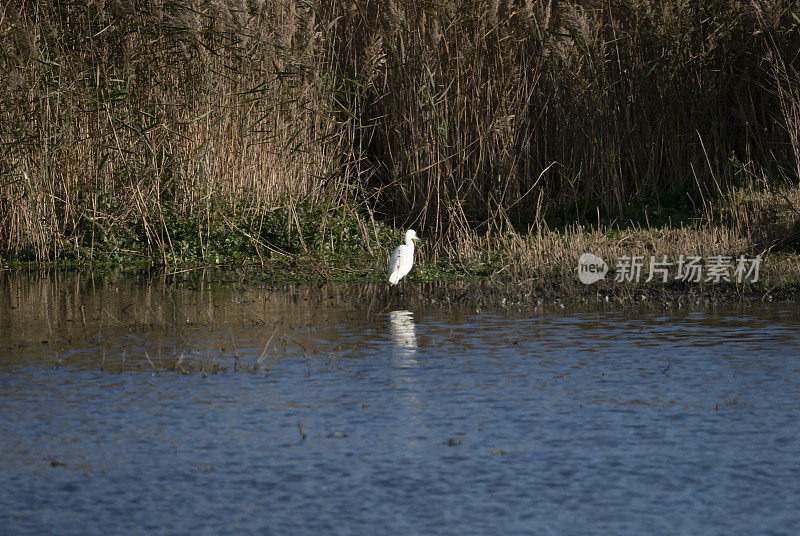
119 117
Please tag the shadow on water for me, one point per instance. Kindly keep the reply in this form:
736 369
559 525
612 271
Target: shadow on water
128 398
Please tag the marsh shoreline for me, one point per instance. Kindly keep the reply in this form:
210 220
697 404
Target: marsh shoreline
366 287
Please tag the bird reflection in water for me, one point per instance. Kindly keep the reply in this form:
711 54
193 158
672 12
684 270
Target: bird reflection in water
404 337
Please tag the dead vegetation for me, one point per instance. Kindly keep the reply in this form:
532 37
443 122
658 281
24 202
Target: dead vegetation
139 128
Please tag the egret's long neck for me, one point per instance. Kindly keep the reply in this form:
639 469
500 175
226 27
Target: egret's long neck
410 242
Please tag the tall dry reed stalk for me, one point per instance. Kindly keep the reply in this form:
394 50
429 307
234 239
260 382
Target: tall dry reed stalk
451 116
472 100
116 113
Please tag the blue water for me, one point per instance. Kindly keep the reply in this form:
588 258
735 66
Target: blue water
404 421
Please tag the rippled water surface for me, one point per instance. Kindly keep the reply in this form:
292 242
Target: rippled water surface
138 406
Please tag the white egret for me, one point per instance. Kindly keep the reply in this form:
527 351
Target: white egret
402 258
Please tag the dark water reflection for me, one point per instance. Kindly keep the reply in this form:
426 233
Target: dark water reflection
225 407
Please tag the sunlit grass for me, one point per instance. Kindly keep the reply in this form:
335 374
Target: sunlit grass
305 136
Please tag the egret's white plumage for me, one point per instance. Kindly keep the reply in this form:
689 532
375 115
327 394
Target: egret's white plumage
402 258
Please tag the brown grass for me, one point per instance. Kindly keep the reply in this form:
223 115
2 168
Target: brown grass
455 117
